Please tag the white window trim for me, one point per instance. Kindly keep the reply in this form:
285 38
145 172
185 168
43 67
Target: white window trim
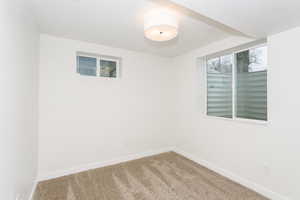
103 57
234 118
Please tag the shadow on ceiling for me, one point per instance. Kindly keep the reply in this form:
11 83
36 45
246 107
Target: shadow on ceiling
188 12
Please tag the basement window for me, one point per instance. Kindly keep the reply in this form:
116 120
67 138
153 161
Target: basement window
237 84
100 66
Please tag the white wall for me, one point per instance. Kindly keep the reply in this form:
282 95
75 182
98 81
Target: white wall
159 102
18 99
267 155
85 120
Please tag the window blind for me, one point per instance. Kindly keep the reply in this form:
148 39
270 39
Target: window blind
219 86
86 66
237 82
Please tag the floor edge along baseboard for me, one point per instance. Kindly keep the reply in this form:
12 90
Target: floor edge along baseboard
246 183
73 170
249 184
34 186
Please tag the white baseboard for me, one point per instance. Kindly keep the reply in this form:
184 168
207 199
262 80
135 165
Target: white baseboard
95 165
249 184
32 190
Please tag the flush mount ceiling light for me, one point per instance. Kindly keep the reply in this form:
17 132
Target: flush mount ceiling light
160 25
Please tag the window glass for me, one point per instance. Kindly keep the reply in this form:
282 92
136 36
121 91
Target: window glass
108 68
86 66
219 86
251 84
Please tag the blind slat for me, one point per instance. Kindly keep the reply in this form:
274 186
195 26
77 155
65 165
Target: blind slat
86 66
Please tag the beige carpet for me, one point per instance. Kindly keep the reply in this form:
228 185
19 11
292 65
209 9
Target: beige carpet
166 176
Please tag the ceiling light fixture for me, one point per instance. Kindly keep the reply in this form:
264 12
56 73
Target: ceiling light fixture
160 25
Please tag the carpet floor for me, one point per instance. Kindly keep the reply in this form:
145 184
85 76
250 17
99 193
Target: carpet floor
166 176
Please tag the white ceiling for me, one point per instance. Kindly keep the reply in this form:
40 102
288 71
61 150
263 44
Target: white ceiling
258 18
119 23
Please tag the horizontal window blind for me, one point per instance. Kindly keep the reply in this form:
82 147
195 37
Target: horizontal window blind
245 71
251 84
219 95
219 86
86 66
252 95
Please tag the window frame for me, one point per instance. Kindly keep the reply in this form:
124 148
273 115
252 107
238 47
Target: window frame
98 69
234 118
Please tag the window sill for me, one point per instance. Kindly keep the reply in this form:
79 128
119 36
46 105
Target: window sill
240 120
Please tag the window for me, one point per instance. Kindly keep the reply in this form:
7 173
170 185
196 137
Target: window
97 66
237 84
108 68
219 86
86 66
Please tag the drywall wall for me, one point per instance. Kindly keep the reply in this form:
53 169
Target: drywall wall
85 120
18 102
266 155
159 102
